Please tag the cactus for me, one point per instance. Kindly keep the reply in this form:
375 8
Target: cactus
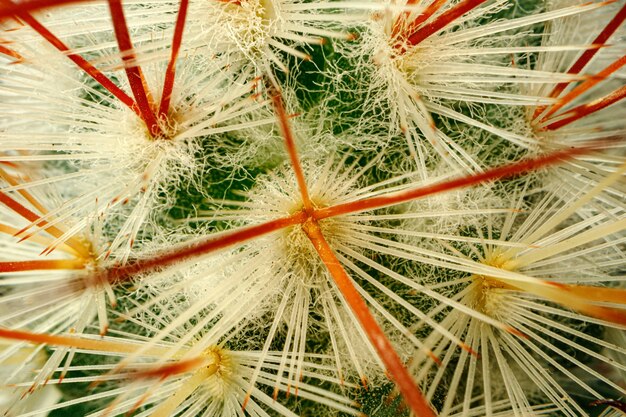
288 207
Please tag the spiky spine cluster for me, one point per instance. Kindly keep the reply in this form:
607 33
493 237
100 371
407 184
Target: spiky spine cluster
296 207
